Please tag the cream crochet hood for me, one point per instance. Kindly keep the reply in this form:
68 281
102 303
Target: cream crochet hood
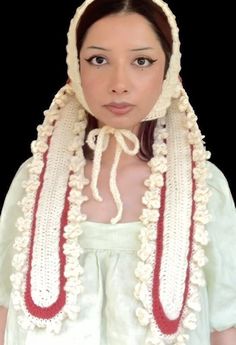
171 84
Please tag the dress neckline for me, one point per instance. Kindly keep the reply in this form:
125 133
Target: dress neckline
91 222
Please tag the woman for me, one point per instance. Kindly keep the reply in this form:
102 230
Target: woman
112 236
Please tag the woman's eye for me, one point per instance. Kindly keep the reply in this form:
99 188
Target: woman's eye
97 60
144 62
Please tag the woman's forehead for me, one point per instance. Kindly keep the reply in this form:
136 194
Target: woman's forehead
131 27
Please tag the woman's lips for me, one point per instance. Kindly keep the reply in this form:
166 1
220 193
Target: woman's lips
119 108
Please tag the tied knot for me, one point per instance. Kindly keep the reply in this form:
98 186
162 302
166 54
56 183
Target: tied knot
98 140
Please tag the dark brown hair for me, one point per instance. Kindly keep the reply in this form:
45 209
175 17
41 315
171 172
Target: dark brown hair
154 14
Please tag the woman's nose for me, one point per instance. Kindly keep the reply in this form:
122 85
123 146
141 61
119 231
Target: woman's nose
119 83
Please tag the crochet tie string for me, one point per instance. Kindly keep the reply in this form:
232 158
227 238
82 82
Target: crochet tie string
98 140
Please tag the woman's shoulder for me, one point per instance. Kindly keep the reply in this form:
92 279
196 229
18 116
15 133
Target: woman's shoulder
16 187
218 185
220 252
221 206
21 172
216 175
23 168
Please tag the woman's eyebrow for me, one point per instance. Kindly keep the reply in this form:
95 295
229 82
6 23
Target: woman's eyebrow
133 50
100 48
144 48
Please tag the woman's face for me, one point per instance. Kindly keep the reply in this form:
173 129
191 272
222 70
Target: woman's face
122 68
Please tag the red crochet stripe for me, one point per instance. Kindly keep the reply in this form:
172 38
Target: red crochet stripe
166 325
52 310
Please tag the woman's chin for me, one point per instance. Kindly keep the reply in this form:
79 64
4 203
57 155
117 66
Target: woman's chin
120 123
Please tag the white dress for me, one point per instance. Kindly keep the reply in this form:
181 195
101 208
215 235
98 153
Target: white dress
107 315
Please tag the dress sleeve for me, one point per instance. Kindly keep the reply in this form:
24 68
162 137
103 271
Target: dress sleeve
10 212
221 267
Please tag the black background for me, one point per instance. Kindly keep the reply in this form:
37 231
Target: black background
34 68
